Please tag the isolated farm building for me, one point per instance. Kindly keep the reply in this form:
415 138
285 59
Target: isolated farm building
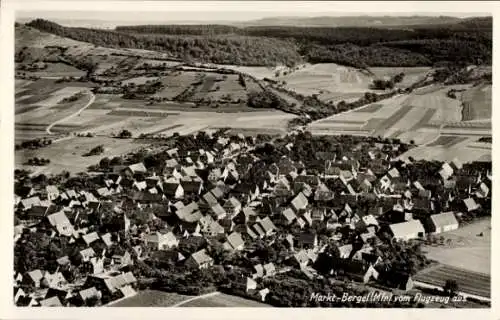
234 242
442 222
161 241
199 260
412 229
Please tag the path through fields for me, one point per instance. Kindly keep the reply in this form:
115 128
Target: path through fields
92 99
196 298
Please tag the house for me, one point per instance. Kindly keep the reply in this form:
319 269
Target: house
234 242
33 278
136 168
470 204
269 269
161 241
61 223
26 204
345 251
52 192
299 203
27 301
18 293
199 260
54 280
412 229
51 302
322 193
88 294
288 216
192 185
87 254
446 171
259 271
232 206
267 226
301 259
483 191
210 199
109 283
172 188
90 237
122 260
442 222
306 240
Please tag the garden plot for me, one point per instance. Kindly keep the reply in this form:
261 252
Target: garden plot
176 83
139 80
227 88
157 63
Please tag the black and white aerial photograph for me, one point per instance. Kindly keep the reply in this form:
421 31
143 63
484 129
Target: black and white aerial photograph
278 158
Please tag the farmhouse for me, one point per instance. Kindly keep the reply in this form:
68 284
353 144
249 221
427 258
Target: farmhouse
412 229
442 222
199 260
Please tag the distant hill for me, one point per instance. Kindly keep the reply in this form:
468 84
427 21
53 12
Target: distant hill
353 21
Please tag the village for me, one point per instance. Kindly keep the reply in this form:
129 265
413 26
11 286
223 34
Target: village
269 218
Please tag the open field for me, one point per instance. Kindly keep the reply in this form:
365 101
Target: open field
427 117
462 148
67 154
412 75
468 282
224 300
327 77
152 298
467 250
477 103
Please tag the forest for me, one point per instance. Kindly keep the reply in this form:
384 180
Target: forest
469 42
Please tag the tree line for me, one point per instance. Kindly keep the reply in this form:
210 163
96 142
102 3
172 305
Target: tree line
470 43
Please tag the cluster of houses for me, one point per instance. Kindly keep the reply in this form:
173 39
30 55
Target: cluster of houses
208 194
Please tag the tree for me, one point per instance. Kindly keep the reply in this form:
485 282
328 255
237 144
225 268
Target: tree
450 287
125 134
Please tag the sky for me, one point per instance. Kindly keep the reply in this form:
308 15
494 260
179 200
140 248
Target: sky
137 12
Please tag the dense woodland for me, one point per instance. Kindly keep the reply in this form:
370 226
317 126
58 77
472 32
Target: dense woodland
467 42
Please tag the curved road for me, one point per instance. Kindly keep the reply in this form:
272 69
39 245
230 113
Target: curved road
92 98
